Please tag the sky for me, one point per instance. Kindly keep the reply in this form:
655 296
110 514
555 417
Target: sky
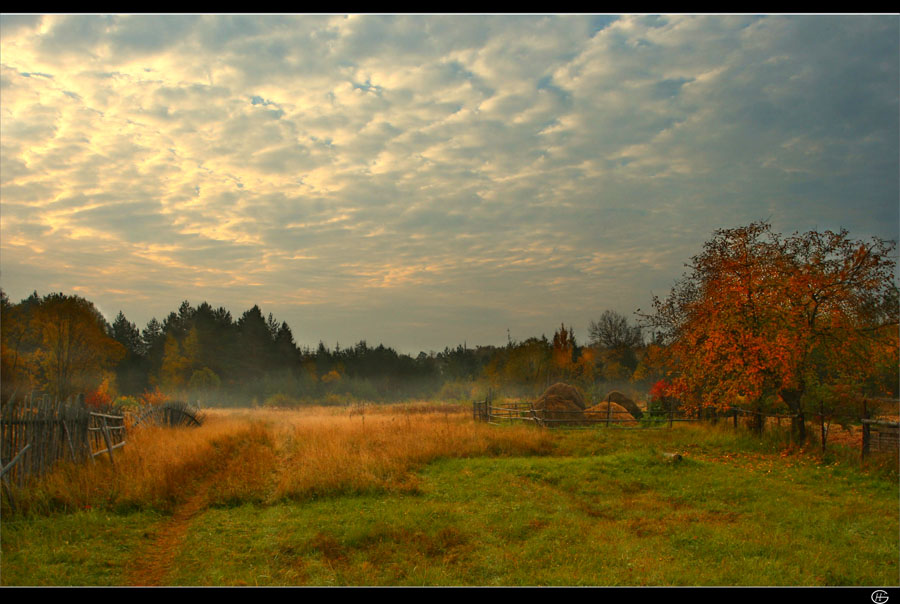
425 181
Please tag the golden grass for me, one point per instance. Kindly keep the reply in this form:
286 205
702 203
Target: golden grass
155 468
377 451
267 455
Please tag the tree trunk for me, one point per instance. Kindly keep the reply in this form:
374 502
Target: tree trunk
798 423
758 420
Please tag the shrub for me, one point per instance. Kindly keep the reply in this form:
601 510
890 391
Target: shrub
157 397
280 400
127 403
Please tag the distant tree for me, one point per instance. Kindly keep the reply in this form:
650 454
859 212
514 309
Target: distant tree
74 344
176 365
651 364
613 331
204 382
459 363
286 349
564 352
15 345
273 326
256 344
126 333
152 336
131 375
185 314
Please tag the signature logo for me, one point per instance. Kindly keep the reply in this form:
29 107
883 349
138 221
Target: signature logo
879 596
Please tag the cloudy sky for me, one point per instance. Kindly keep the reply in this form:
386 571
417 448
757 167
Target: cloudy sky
422 181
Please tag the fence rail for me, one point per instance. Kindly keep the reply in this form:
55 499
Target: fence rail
880 435
36 433
877 435
488 411
174 413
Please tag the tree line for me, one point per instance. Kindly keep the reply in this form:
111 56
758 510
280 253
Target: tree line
801 323
61 345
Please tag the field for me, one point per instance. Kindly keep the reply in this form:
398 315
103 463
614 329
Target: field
423 495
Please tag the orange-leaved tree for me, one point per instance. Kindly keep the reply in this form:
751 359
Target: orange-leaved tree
761 317
564 352
73 348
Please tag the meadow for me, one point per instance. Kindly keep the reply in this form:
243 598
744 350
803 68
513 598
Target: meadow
420 494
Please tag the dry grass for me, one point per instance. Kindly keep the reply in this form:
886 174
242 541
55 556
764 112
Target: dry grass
266 455
604 510
154 469
326 454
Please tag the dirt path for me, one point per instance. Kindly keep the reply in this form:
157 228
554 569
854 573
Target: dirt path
151 565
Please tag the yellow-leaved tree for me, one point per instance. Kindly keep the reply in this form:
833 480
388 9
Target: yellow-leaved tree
73 349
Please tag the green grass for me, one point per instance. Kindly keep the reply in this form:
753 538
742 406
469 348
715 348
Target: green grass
615 520
89 547
606 508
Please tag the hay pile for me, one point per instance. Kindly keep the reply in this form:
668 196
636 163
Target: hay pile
565 391
620 399
617 413
561 403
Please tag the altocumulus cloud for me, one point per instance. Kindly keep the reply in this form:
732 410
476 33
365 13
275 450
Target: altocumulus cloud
423 180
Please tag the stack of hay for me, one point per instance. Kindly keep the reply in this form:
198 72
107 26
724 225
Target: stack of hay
561 404
617 414
620 399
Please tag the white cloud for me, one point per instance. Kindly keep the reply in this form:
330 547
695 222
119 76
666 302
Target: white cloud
550 166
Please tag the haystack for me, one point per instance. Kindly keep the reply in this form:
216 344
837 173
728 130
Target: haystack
617 413
567 392
561 403
620 399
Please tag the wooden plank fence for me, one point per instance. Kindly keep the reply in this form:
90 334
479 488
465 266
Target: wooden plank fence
36 433
880 436
39 432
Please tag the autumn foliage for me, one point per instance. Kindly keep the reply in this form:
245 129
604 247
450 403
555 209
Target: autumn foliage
774 320
59 344
658 390
100 397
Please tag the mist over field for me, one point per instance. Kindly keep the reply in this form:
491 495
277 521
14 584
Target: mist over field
485 300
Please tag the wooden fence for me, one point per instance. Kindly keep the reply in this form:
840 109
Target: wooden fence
35 433
496 413
877 435
175 413
880 436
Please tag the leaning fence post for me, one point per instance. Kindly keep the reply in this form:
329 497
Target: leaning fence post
15 460
5 479
69 438
108 441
